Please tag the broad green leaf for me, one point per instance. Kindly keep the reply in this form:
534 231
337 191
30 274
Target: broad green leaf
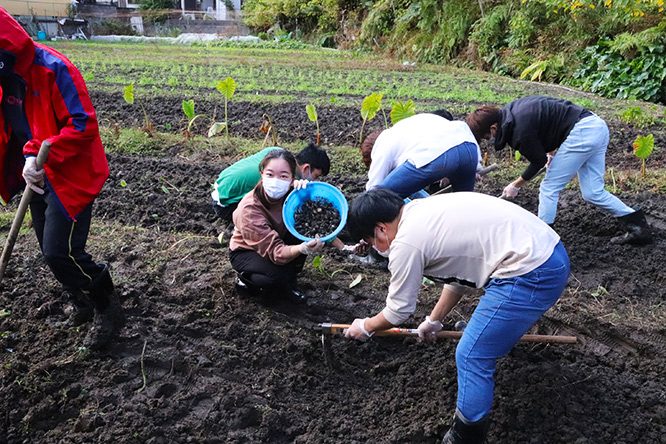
129 93
227 87
216 128
316 261
356 281
538 68
643 146
517 155
123 183
402 111
165 190
312 112
371 105
188 108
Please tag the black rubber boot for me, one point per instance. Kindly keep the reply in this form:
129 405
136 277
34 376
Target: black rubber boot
465 432
245 288
638 230
109 317
79 309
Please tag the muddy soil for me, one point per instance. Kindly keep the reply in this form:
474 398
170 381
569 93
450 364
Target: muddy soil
316 217
196 363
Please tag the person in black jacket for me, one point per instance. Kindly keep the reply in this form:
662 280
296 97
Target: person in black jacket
566 139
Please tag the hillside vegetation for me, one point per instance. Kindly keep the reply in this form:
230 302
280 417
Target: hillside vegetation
615 48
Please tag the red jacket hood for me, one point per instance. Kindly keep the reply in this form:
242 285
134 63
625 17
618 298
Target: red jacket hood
15 40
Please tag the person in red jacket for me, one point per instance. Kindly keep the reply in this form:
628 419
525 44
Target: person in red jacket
43 97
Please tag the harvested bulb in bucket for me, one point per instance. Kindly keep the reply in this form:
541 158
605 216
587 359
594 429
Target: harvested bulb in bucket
316 217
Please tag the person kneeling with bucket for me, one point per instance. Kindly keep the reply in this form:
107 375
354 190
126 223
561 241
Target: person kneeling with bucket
463 239
263 252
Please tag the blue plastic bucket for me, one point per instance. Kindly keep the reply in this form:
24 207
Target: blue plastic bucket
314 190
41 36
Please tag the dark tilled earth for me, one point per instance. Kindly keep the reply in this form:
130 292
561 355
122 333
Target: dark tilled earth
197 363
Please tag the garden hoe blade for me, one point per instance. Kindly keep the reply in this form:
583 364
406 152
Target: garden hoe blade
341 329
20 212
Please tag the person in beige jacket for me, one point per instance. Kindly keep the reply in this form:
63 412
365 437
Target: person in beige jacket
463 240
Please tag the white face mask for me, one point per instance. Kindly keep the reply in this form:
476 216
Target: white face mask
386 252
276 188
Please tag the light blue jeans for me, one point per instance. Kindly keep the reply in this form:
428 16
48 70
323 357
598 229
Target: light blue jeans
458 164
583 152
505 313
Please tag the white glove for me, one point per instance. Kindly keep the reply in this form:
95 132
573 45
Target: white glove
357 330
428 328
550 159
361 248
300 183
311 247
33 178
510 191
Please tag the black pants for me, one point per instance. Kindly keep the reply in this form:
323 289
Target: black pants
63 241
263 273
226 212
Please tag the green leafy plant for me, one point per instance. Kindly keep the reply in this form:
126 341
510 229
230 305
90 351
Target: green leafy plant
402 111
318 264
537 69
635 116
369 108
312 115
227 88
128 95
643 147
188 109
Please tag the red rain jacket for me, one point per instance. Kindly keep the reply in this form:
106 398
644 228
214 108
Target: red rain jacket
59 110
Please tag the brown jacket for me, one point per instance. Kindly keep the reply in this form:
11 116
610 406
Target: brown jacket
260 228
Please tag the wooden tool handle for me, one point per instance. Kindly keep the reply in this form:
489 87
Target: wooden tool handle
338 329
21 210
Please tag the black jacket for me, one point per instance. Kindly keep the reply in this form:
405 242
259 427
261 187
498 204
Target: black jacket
537 125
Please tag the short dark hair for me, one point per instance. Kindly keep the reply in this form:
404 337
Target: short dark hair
482 119
442 113
316 157
370 208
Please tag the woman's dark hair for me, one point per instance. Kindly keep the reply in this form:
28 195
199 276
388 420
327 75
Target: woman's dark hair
316 157
482 119
367 145
370 208
274 154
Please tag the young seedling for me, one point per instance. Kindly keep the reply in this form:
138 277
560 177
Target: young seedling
312 114
268 128
227 88
188 109
128 95
402 111
371 104
643 147
319 266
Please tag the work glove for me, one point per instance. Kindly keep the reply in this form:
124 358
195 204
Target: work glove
33 178
311 247
510 192
361 248
300 183
428 328
357 330
550 159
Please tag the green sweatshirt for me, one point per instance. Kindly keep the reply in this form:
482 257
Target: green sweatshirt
238 179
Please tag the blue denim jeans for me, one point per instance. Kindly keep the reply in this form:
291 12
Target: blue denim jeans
583 152
458 164
505 313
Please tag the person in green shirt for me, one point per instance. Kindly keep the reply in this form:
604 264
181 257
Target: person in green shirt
238 179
